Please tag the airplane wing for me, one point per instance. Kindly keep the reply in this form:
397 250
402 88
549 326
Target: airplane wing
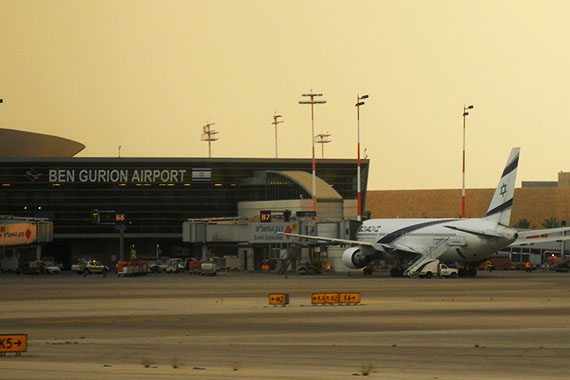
382 247
325 239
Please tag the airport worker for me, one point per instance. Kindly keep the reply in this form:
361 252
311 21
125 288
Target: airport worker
490 266
528 266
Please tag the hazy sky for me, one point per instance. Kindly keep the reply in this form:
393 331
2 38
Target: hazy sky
148 74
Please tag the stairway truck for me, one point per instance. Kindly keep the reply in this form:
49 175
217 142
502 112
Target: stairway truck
433 268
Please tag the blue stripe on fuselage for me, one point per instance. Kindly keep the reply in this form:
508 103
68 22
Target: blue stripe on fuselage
403 231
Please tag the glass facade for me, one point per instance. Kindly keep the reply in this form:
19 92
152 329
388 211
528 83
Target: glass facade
155 195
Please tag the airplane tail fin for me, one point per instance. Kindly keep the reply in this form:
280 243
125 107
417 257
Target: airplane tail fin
502 202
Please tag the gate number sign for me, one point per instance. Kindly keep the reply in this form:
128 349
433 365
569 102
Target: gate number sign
265 216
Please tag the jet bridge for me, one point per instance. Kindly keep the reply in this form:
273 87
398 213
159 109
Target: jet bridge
21 240
15 232
261 242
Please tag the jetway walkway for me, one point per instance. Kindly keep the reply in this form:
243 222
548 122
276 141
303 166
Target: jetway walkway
16 231
261 243
21 240
239 230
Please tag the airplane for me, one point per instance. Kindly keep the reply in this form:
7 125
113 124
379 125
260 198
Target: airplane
410 243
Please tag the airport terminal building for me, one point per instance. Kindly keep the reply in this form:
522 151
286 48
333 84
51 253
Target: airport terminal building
95 201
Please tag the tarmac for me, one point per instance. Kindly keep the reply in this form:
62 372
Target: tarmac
499 325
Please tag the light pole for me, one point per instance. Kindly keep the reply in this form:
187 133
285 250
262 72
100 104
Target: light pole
207 133
465 113
359 102
275 122
323 139
312 102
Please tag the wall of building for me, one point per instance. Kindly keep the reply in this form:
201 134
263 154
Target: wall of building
563 179
534 204
350 209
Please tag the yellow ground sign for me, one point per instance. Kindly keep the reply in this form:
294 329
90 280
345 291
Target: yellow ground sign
324 298
14 343
279 299
349 298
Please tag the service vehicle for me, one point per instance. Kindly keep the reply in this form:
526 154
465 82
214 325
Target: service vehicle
52 269
175 266
50 266
208 268
33 267
194 267
159 264
435 268
89 266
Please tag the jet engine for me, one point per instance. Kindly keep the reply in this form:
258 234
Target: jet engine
355 258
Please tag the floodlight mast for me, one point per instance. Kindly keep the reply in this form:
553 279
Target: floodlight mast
323 139
207 133
312 102
465 113
275 122
359 103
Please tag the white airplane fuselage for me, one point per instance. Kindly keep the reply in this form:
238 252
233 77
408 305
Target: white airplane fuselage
421 234
408 243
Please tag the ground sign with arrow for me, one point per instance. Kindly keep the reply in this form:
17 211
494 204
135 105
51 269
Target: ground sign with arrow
13 343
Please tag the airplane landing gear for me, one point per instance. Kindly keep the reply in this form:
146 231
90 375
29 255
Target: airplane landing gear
397 272
468 272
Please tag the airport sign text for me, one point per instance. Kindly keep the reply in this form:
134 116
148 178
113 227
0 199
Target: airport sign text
116 175
279 299
335 298
13 343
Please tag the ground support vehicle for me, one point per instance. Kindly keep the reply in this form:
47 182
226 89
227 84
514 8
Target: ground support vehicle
132 268
194 267
50 266
52 269
207 268
159 265
88 267
174 266
33 267
435 268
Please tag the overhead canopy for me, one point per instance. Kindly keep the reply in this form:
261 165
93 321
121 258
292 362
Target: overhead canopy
21 144
304 179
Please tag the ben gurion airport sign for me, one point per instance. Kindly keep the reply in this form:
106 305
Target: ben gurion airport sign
123 175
